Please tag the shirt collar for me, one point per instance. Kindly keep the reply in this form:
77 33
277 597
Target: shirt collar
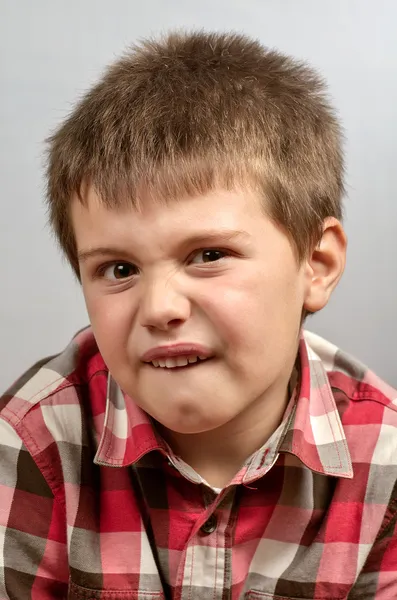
128 433
311 429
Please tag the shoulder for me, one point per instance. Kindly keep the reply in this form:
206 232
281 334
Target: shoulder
366 404
45 404
350 376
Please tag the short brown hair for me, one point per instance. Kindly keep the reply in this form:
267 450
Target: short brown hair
189 112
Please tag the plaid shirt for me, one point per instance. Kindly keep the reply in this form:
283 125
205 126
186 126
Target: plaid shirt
94 505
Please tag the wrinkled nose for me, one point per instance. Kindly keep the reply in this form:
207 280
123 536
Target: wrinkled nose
162 306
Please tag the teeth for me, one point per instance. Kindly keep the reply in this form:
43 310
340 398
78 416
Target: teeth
179 361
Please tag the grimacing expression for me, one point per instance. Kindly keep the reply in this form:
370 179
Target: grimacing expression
195 304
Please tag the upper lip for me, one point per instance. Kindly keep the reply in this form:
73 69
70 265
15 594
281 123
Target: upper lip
173 350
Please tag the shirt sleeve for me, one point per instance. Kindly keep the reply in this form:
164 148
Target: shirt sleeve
33 549
378 578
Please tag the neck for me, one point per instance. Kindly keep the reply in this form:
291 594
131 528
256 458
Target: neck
219 454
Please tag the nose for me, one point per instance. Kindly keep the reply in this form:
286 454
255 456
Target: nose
162 305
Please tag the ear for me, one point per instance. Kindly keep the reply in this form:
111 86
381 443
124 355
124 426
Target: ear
325 265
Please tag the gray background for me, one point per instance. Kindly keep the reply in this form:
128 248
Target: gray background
51 51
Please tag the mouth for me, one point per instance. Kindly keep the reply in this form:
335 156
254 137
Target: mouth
178 362
175 357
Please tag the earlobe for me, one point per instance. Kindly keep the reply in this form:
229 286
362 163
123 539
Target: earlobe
325 265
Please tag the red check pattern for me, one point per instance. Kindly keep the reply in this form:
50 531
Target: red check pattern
94 505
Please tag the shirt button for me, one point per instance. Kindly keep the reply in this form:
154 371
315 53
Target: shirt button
210 525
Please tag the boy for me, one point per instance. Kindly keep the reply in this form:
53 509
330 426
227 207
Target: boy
194 442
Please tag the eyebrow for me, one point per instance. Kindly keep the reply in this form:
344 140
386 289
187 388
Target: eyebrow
199 238
103 251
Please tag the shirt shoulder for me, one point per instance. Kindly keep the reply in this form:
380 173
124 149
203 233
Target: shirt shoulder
349 375
45 405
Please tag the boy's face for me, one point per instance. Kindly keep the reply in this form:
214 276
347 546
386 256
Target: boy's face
212 272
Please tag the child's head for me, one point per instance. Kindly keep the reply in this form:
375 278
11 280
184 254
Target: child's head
192 113
183 143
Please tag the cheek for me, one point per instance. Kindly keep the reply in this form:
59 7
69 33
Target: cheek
110 316
256 315
252 298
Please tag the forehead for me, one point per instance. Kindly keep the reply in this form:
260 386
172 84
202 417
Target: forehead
217 209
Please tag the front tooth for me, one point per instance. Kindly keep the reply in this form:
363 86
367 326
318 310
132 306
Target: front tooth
202 357
155 363
170 363
181 361
192 359
161 363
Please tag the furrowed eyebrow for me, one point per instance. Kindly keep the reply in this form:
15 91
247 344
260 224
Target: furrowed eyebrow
102 251
205 237
216 236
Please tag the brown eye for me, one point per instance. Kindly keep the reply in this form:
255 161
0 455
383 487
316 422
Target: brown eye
120 270
209 255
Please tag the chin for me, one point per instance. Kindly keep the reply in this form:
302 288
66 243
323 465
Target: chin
193 425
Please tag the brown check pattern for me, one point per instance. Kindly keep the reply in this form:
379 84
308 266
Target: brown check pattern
94 505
